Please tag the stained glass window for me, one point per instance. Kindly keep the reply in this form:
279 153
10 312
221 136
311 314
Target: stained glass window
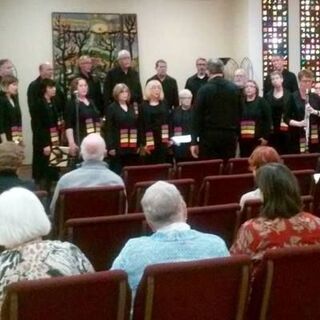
309 35
274 31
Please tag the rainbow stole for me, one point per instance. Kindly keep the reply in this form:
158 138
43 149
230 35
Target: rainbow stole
314 136
92 127
247 129
149 140
54 136
16 134
303 145
165 133
128 138
177 131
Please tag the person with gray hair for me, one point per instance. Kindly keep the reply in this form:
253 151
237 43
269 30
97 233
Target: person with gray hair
216 119
93 171
173 239
123 73
26 256
240 78
180 124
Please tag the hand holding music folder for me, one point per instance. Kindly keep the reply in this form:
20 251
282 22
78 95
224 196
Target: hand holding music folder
59 157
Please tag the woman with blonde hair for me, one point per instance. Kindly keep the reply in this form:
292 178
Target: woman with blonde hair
154 124
121 129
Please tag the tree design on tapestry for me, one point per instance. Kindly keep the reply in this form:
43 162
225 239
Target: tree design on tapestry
310 36
274 32
100 36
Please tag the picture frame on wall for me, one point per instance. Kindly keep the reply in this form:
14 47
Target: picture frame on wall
98 35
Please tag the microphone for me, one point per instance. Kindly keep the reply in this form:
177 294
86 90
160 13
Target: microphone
76 93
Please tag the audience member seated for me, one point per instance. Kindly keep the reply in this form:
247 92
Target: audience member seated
92 172
23 223
173 239
11 157
259 157
281 222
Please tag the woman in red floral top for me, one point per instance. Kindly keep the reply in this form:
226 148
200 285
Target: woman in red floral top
281 222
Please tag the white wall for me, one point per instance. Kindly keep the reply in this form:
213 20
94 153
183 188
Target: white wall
177 30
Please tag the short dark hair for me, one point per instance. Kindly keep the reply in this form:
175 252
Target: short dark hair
160 61
45 83
280 191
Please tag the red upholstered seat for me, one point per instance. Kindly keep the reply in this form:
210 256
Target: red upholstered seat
197 170
237 166
305 181
102 238
89 202
286 285
220 220
99 296
225 189
301 161
185 186
133 174
212 289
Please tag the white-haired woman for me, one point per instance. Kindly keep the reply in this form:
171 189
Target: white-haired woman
154 124
180 124
23 223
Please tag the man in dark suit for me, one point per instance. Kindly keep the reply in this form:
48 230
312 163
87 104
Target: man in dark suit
169 84
216 118
289 78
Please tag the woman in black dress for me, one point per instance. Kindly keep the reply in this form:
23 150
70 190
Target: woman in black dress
180 124
154 124
255 120
121 130
82 117
47 122
278 99
10 113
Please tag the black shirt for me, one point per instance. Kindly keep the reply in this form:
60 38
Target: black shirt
89 118
217 107
131 79
194 83
258 111
117 119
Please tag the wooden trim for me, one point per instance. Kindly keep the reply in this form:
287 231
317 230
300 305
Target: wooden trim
267 290
243 293
149 299
122 300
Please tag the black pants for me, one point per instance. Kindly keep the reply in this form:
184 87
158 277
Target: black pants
218 144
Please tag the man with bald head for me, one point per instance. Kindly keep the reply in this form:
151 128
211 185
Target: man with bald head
34 91
123 73
92 172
